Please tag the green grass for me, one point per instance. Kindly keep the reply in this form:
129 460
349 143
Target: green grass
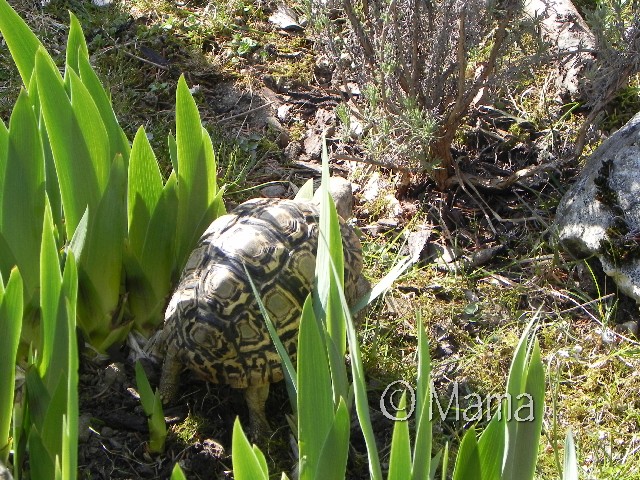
189 429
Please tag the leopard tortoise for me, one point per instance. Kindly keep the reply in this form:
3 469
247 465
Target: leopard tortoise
213 325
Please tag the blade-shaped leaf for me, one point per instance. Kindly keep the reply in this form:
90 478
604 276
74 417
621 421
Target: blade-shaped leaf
491 447
290 373
246 464
4 138
118 142
51 176
22 193
468 460
150 277
261 460
335 288
384 284
144 190
52 428
306 191
144 389
173 151
177 473
329 251
157 426
100 263
4 145
76 45
359 386
77 242
38 397
77 177
92 129
196 173
332 461
152 406
50 291
435 463
19 434
570 471
524 384
330 310
315 397
422 448
445 462
159 241
400 461
70 423
10 326
45 466
6 261
527 416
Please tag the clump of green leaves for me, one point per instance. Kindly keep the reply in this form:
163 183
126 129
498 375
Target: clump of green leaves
91 236
64 141
241 45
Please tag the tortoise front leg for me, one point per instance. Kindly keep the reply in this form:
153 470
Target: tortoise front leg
170 378
256 397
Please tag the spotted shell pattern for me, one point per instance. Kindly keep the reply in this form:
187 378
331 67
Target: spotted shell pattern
213 323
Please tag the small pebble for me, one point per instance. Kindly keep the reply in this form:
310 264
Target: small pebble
283 113
84 422
114 373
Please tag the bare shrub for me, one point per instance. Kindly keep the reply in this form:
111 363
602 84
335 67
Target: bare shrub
421 65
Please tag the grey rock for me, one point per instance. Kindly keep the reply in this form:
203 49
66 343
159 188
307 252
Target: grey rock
356 129
324 118
342 193
283 113
582 220
417 242
274 191
351 89
286 19
313 144
323 69
292 151
273 123
284 137
629 328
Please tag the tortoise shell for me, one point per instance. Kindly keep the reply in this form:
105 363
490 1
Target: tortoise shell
213 325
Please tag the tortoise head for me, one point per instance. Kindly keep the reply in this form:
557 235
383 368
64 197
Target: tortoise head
340 190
